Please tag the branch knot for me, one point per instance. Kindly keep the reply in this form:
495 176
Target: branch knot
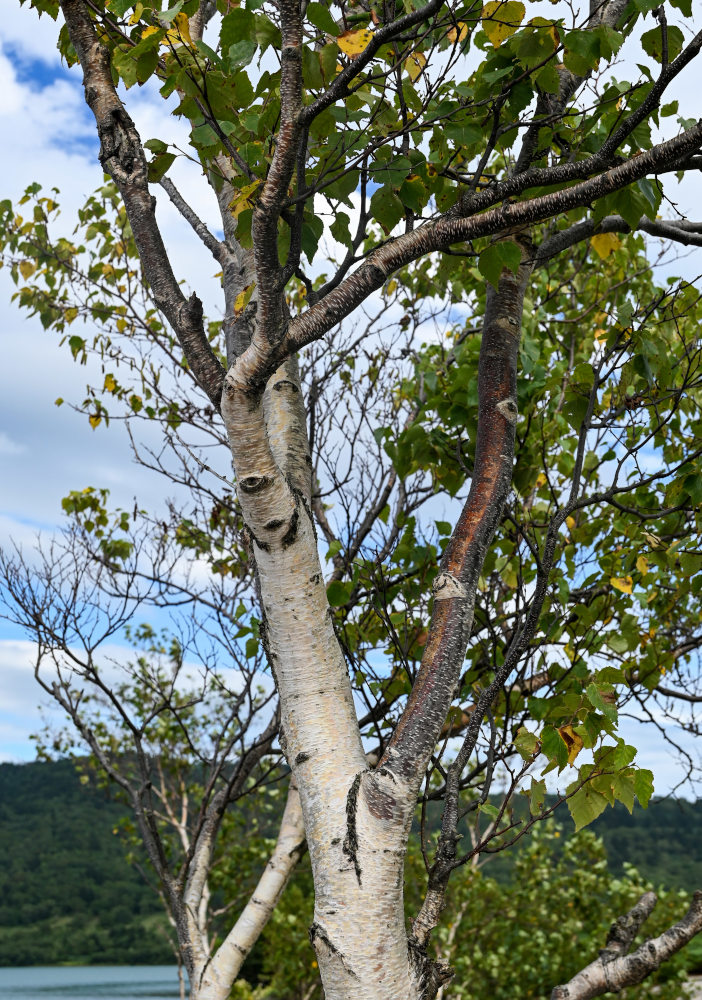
447 587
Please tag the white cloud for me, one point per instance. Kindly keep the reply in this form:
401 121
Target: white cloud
8 446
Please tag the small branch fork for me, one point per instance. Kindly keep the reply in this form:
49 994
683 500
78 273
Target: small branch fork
614 969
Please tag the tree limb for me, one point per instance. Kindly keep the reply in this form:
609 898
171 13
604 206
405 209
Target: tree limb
614 969
122 157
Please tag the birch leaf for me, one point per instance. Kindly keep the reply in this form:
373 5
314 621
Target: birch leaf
604 243
244 199
585 806
27 268
179 34
572 740
242 299
320 16
414 65
525 743
459 33
501 18
642 565
623 583
352 43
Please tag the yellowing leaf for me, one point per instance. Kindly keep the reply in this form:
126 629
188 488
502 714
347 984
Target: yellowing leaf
27 268
179 34
70 314
242 299
501 18
540 480
600 334
570 521
110 383
653 540
391 286
459 33
572 741
94 419
245 199
642 565
604 243
354 42
414 65
623 583
151 30
138 11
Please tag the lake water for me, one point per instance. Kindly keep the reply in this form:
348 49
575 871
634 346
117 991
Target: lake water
137 982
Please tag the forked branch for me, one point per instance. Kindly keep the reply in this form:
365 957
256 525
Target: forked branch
613 970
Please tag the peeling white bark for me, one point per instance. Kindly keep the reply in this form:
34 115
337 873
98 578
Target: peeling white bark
219 974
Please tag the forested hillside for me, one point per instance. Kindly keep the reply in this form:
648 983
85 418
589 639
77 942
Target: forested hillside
68 895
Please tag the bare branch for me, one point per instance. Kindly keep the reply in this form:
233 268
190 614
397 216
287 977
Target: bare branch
614 969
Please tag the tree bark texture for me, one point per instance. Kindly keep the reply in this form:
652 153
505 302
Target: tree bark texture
357 818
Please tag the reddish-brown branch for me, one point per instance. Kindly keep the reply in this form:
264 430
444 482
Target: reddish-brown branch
455 586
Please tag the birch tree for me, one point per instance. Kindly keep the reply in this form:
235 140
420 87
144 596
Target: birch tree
436 137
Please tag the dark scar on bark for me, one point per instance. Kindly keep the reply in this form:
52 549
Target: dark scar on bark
277 522
263 546
317 932
254 484
291 534
350 846
302 757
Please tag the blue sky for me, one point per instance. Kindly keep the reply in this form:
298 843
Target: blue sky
45 452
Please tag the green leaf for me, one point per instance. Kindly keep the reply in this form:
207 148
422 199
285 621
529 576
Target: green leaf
241 53
537 795
585 806
156 145
343 186
652 42
339 229
498 256
328 56
489 810
159 166
603 699
553 747
238 25
338 593
643 785
311 69
126 65
119 7
414 194
526 744
319 15
387 207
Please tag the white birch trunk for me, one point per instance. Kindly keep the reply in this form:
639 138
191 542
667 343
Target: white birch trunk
216 979
356 820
